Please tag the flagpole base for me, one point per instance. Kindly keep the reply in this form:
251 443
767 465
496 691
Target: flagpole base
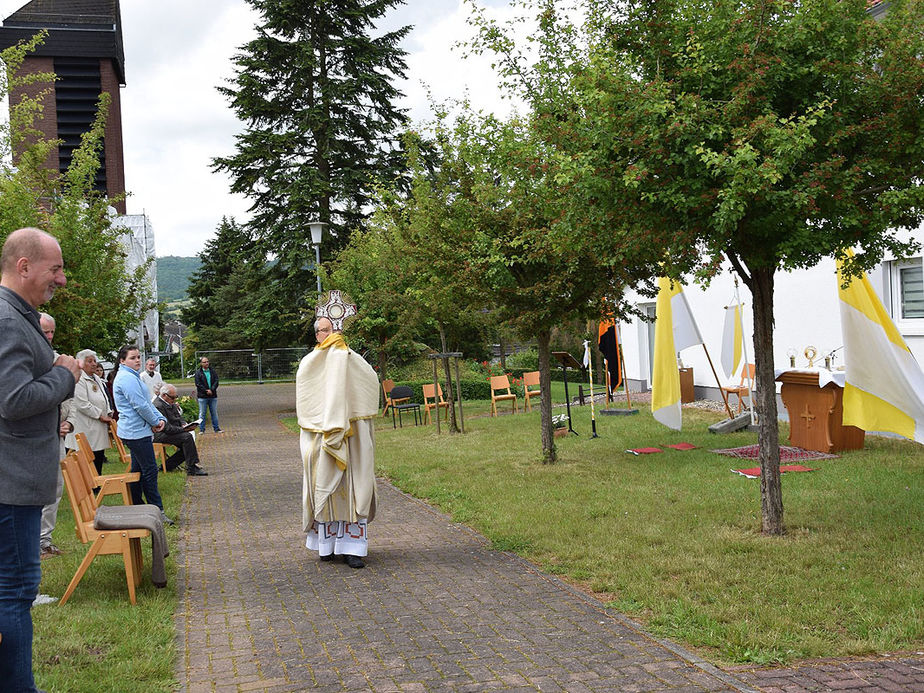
740 422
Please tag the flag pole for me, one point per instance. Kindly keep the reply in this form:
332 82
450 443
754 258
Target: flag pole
622 366
744 347
590 371
716 376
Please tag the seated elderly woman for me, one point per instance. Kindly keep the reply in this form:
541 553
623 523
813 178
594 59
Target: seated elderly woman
90 410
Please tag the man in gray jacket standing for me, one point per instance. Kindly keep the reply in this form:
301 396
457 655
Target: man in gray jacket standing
35 382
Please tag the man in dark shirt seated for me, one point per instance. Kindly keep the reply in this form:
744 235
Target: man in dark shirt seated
176 433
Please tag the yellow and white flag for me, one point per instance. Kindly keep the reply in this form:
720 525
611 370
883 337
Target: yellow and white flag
885 385
675 330
732 340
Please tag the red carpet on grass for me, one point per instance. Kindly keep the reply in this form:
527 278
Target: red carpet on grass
649 451
787 454
754 472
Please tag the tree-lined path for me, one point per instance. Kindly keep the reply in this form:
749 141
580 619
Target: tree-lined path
435 608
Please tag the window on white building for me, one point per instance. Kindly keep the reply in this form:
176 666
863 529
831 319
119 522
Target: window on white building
650 311
911 290
908 293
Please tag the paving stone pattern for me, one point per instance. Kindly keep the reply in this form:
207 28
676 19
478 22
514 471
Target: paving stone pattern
901 673
434 610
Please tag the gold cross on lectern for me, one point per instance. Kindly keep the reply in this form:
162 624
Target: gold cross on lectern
808 416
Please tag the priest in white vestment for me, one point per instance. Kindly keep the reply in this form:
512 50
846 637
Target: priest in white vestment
337 400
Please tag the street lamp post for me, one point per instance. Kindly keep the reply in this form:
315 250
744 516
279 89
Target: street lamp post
179 337
317 230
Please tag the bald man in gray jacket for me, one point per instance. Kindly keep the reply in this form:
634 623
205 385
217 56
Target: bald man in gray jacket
35 382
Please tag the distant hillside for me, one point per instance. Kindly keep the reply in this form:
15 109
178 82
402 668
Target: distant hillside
173 275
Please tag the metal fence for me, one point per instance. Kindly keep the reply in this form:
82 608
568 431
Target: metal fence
247 364
509 349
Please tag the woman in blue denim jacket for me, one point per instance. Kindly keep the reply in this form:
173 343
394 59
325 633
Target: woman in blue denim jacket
138 420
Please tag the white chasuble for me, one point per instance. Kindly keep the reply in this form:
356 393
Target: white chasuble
336 400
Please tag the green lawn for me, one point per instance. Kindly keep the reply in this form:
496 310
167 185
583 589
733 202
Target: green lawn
671 539
674 540
98 641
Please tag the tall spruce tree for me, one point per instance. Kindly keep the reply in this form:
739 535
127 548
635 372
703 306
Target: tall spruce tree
214 289
240 299
315 91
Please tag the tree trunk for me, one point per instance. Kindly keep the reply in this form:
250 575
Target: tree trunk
771 492
383 359
453 426
545 402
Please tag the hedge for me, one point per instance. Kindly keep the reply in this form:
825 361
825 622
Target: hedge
471 389
481 389
555 373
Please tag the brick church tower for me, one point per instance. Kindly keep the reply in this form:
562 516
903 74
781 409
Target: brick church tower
84 49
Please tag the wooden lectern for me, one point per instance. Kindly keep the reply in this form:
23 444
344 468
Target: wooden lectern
687 393
815 414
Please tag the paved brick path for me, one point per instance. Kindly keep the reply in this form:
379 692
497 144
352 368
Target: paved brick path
435 608
898 673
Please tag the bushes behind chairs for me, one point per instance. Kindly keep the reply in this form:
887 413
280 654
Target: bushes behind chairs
481 389
471 389
190 407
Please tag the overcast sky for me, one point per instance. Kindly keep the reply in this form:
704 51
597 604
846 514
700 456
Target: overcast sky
174 121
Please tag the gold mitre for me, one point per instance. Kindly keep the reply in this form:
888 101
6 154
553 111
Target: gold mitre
337 307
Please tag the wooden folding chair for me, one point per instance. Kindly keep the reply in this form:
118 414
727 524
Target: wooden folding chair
501 382
117 443
428 405
160 455
108 484
741 389
531 379
387 387
102 542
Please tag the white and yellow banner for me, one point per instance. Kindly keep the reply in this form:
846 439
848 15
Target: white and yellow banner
675 330
732 340
885 385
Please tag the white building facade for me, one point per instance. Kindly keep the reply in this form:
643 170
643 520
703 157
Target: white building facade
806 311
138 243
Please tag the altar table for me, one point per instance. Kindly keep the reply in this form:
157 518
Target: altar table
814 400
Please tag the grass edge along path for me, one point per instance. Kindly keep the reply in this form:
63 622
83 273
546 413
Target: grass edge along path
98 641
673 539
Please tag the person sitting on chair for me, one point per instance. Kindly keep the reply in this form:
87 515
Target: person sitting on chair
175 433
